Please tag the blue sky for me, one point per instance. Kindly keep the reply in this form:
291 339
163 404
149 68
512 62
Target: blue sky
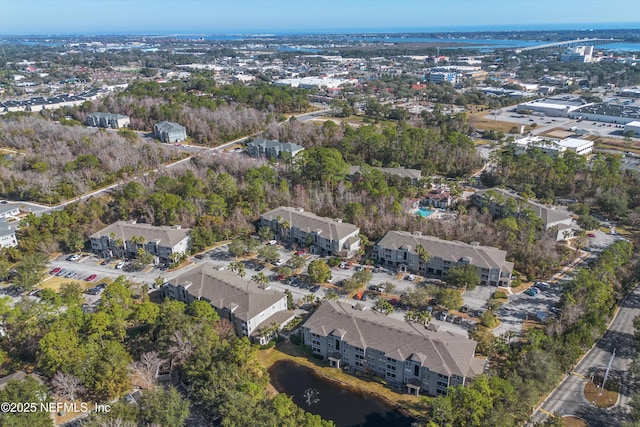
258 16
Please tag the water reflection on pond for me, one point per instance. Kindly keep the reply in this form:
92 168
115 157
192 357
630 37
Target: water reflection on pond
345 407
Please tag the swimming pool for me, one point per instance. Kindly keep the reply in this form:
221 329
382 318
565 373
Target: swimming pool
424 212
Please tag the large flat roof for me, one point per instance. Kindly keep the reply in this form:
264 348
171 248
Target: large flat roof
606 109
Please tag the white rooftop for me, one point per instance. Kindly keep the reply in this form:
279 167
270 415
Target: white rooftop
574 142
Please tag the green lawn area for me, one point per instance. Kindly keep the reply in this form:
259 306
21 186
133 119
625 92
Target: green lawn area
55 282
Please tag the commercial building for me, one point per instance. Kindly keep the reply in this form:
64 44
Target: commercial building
323 236
269 148
169 132
632 127
439 77
406 355
577 54
607 113
550 107
398 249
503 203
108 120
124 238
553 147
252 310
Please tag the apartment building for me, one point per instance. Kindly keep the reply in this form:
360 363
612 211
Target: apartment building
502 203
268 148
124 238
398 249
169 132
251 309
108 120
406 355
324 236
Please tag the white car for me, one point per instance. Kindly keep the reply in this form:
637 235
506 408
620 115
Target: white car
120 265
280 262
411 277
330 279
75 257
272 242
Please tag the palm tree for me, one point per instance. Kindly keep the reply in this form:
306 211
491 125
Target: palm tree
238 267
260 278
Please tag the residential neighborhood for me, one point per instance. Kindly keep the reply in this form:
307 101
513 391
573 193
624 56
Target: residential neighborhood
318 228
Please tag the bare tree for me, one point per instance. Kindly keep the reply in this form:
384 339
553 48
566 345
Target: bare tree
67 386
181 348
147 368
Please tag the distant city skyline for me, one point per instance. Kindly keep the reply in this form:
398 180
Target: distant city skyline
301 16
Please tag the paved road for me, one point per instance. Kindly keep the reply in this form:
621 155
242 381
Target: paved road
567 399
191 150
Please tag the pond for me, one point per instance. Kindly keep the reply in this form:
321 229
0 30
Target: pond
344 406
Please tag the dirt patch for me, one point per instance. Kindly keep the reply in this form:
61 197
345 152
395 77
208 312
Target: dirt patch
558 133
602 398
56 282
570 421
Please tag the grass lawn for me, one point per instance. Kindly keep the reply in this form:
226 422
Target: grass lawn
484 120
55 282
412 405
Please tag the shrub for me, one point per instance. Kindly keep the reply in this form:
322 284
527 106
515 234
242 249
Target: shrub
500 295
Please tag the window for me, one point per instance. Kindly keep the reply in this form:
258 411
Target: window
337 345
391 375
442 384
416 370
391 367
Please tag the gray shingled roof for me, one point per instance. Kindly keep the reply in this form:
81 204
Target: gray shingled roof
309 222
401 172
227 289
449 250
169 127
547 214
442 352
164 235
270 143
107 116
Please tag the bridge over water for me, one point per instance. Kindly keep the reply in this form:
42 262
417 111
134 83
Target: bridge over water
570 43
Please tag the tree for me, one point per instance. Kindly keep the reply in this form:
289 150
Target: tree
238 267
285 271
383 306
319 271
450 298
163 407
30 270
269 254
363 277
463 276
260 278
67 386
331 296
202 311
25 391
238 248
147 368
296 262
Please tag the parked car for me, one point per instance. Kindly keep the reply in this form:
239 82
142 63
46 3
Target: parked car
591 235
542 285
530 292
91 278
411 277
259 267
55 271
443 316
300 253
359 268
70 274
280 262
272 242
199 256
119 265
330 279
74 257
106 261
315 288
61 272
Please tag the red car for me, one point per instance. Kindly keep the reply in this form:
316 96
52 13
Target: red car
54 271
300 253
281 277
90 278
591 235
